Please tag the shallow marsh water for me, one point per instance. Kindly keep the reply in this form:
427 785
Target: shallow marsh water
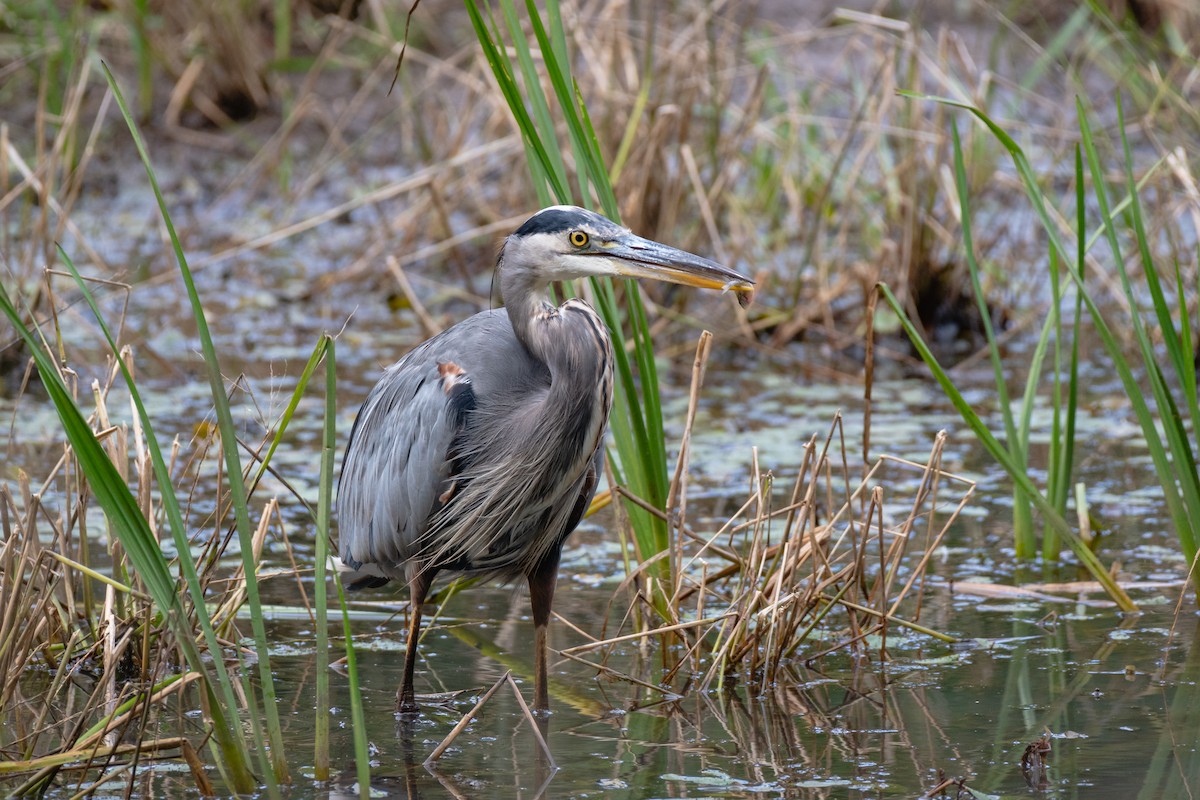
1116 695
1088 679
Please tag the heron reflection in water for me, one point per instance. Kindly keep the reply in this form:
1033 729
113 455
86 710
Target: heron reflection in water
478 452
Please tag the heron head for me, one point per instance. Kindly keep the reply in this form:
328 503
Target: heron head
565 242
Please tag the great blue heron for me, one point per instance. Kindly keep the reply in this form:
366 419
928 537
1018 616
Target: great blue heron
478 451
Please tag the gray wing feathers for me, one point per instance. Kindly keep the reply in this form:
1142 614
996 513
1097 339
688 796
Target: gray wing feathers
396 463
454 463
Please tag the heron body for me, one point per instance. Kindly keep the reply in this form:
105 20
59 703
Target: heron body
478 452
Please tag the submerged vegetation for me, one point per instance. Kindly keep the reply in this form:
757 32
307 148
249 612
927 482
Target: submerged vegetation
146 535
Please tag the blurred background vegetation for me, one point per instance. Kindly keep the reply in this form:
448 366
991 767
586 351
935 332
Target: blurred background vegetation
769 134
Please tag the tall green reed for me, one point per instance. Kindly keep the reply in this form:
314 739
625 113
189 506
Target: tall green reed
1167 424
1173 450
233 467
326 352
1017 428
321 758
239 495
636 421
132 529
187 614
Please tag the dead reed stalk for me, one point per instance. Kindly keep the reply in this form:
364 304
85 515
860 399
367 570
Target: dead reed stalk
828 566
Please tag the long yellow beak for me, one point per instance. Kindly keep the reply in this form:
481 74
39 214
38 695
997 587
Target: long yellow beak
635 257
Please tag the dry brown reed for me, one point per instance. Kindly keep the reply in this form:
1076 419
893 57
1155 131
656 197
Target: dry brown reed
538 729
89 675
776 139
834 564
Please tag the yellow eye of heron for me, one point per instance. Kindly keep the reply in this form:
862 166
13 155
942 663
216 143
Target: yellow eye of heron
578 238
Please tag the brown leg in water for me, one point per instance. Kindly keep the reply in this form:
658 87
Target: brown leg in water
418 587
541 595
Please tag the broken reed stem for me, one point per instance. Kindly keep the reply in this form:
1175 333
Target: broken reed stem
868 377
196 766
933 540
116 720
85 757
428 324
677 493
533 722
913 626
707 544
465 721
618 674
883 579
226 612
112 652
507 678
97 576
784 586
583 648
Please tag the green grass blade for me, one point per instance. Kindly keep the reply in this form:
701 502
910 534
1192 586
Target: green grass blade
608 198
1055 480
1177 473
1184 508
324 505
1017 440
1180 357
1162 307
583 139
560 80
533 90
362 753
122 511
281 425
640 444
636 421
651 404
358 719
558 47
230 740
1062 452
1059 46
1188 377
1050 328
283 29
1086 557
229 446
501 68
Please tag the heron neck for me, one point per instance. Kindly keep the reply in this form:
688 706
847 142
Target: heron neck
570 339
525 298
573 344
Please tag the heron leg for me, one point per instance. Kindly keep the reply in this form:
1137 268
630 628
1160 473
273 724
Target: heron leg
418 587
541 595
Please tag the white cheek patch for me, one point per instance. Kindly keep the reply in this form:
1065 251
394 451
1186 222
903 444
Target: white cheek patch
598 265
